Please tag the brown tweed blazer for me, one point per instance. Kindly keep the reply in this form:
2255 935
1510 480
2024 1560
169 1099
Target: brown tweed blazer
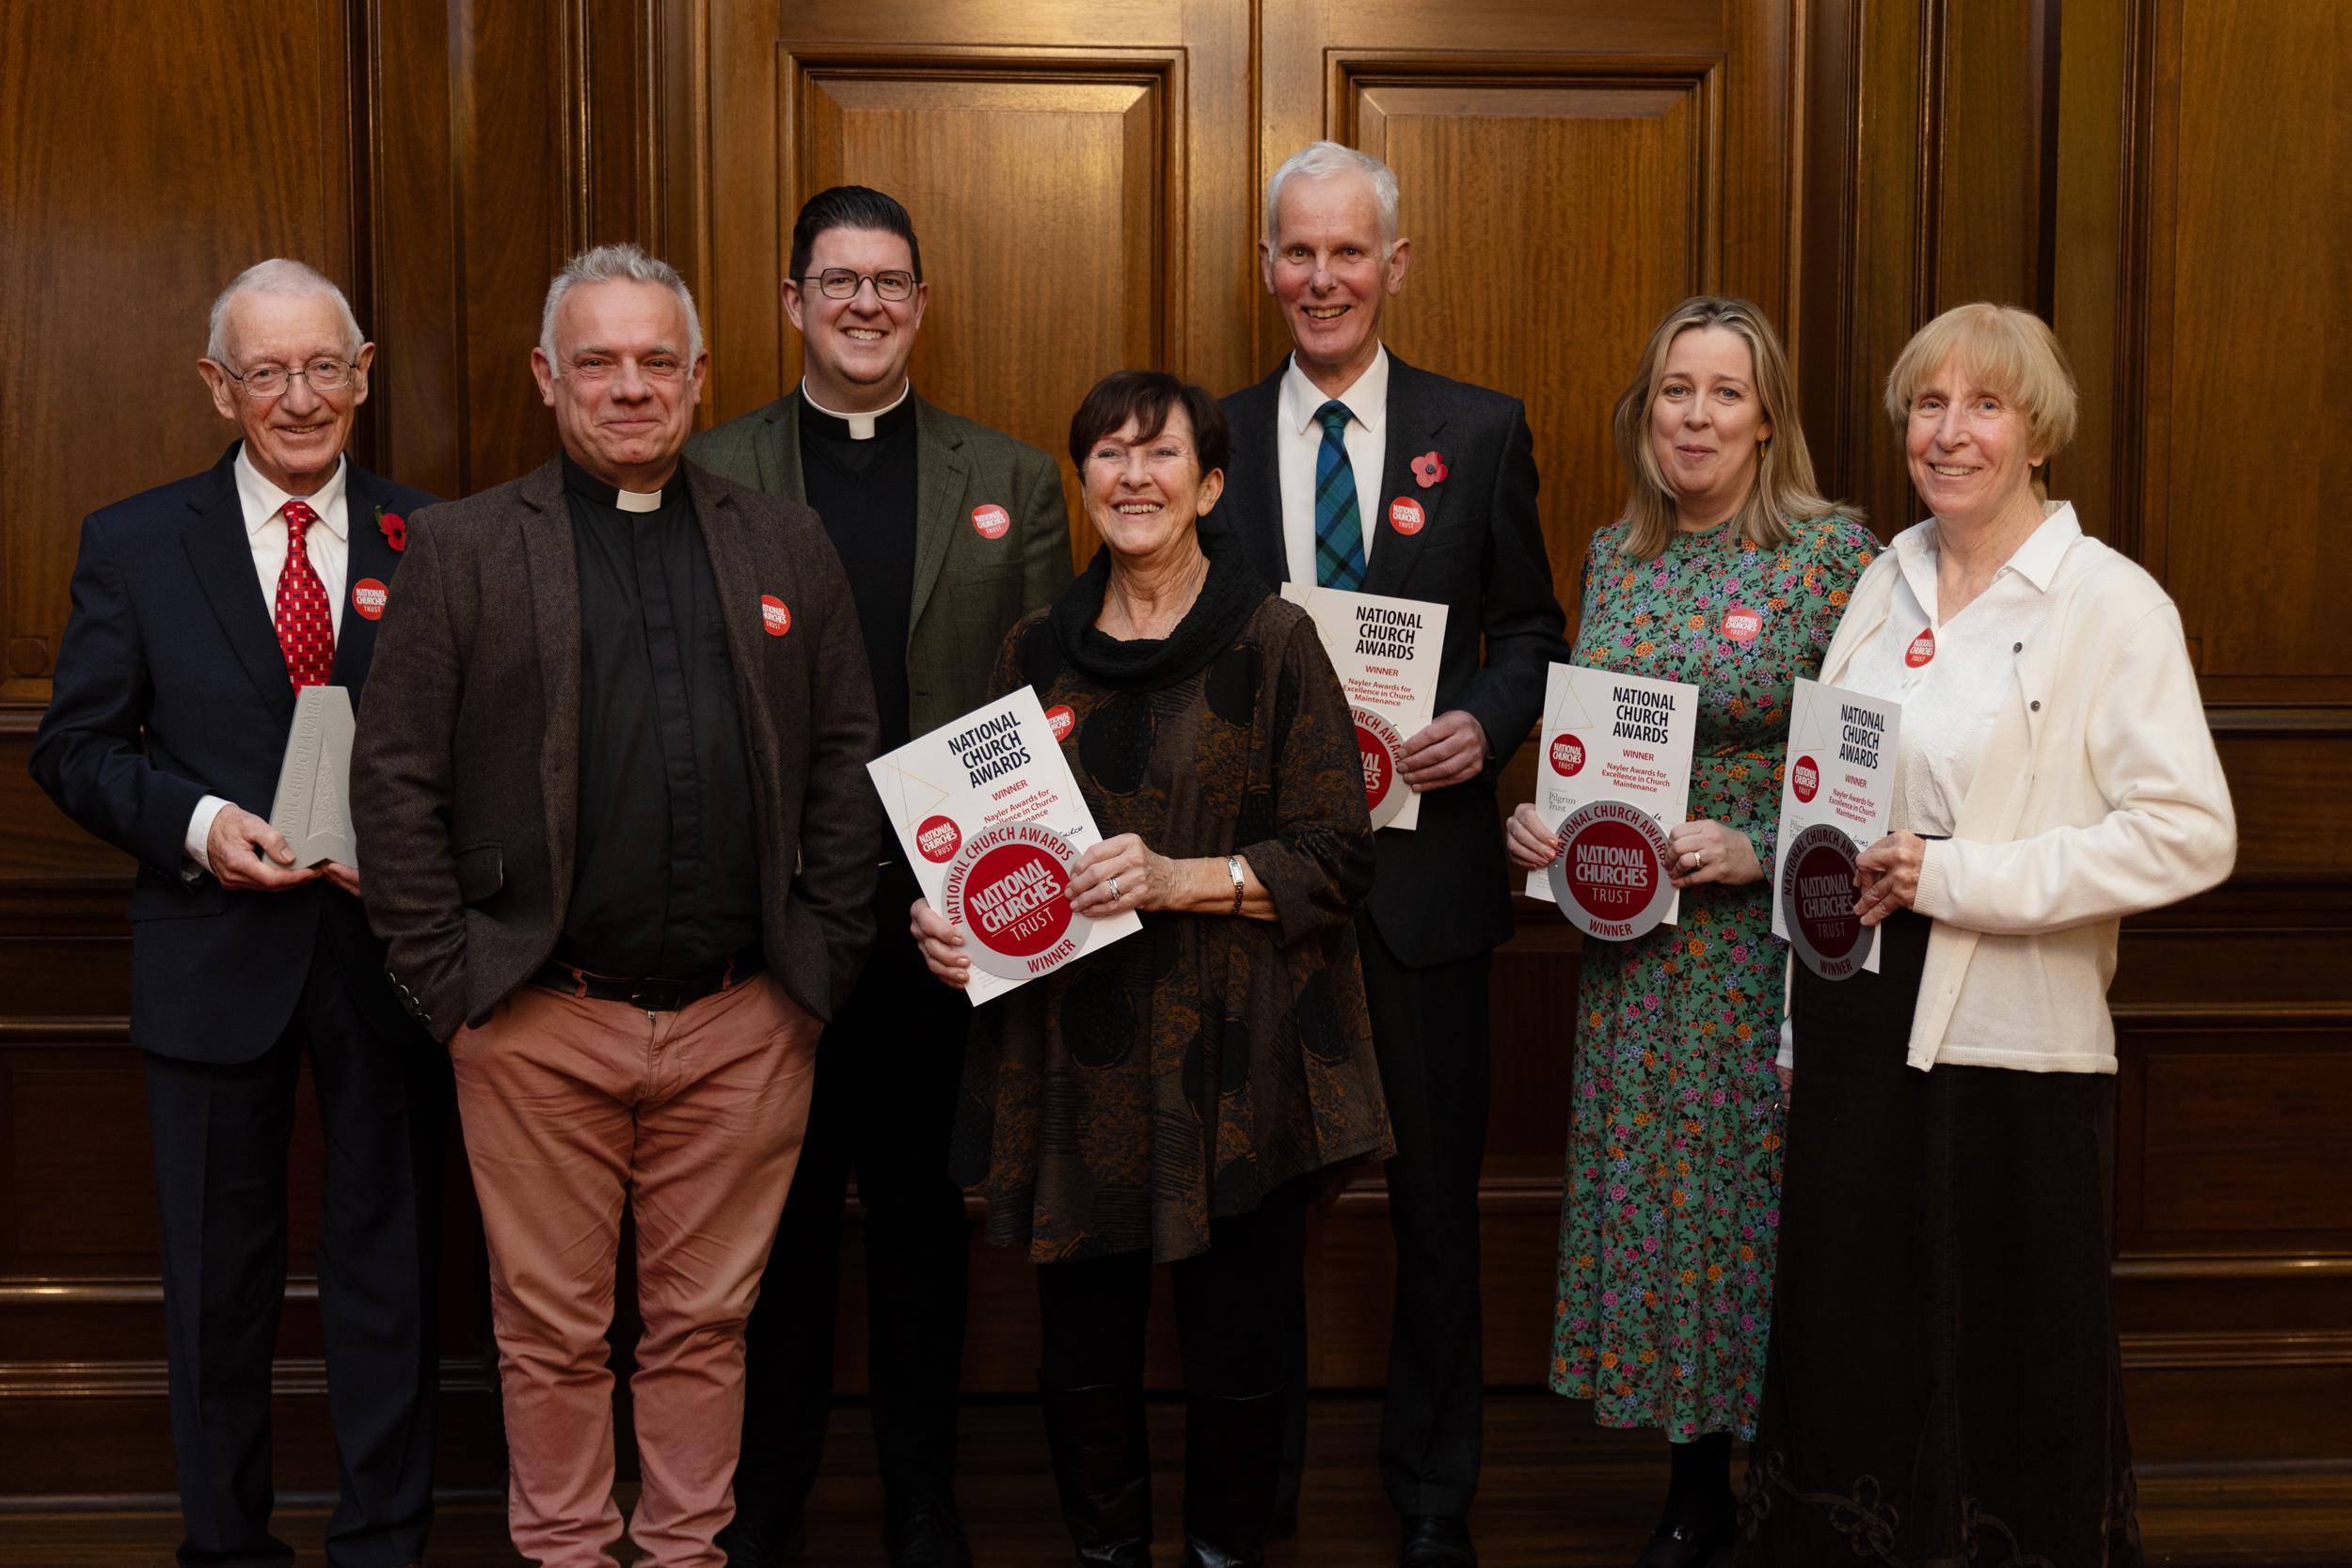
464 770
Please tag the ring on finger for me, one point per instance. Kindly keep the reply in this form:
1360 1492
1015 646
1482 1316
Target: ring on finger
1115 896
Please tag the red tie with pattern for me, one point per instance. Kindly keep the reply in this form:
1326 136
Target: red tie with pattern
306 629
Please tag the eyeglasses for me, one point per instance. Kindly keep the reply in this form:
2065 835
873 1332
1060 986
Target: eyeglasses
265 382
841 283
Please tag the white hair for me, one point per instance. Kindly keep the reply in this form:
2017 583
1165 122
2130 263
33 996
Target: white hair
616 263
279 275
1321 160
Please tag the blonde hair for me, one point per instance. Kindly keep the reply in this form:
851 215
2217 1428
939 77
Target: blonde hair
1784 488
2012 353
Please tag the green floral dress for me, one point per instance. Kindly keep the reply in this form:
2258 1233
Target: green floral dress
1673 1192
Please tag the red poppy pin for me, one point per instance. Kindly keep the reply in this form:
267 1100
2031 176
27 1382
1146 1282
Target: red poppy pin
1428 469
395 532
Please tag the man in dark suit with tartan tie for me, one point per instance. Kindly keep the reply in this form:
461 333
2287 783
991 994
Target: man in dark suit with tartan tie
200 610
1356 470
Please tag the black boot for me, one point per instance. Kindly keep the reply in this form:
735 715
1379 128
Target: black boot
1695 1530
1103 1466
1232 1456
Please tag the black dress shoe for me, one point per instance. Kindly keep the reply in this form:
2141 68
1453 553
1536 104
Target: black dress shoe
768 1543
1688 1545
924 1532
1436 1540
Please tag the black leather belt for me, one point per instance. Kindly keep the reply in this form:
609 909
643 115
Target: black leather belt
655 993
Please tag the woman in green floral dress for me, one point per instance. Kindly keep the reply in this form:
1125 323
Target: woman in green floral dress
1729 573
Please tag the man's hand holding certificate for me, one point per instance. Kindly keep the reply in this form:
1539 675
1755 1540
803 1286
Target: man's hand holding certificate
1834 800
1385 651
1612 779
992 821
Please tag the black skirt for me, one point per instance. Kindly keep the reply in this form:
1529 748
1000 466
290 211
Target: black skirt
1943 1385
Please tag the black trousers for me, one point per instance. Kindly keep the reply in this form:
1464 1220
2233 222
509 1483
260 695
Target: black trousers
1429 1028
1092 1313
888 1077
220 1141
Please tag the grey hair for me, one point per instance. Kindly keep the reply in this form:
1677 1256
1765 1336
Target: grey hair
279 275
1322 160
617 264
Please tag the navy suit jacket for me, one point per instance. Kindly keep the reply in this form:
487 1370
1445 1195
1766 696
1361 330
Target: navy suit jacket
1443 890
171 686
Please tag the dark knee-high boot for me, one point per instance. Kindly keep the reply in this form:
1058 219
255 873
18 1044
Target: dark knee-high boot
1232 1456
1103 1466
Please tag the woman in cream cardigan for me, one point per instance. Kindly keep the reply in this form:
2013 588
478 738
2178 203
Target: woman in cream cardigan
1942 1384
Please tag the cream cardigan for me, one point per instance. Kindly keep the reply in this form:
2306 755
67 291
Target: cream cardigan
2099 796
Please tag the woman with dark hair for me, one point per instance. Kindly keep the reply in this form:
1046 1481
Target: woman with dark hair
1729 572
1167 1099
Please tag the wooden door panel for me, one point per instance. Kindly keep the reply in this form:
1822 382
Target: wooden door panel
2254 321
1049 254
1553 222
228 128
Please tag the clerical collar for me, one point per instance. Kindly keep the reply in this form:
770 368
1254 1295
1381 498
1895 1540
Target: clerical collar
580 482
860 427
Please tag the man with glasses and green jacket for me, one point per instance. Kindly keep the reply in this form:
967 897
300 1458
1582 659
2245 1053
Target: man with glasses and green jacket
950 532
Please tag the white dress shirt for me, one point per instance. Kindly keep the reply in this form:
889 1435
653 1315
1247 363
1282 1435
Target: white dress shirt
328 546
1299 435
1949 702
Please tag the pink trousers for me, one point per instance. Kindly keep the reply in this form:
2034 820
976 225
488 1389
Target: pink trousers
573 1110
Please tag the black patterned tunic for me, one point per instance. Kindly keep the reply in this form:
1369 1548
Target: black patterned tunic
1189 1070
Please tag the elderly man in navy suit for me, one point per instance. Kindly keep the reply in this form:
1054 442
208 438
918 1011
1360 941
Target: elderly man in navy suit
1356 470
200 610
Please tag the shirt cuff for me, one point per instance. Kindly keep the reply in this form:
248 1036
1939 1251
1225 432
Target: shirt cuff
200 829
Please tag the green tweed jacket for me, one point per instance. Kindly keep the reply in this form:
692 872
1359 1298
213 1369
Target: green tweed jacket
969 588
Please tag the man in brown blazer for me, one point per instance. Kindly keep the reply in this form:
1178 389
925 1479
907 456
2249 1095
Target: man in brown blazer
620 845
950 532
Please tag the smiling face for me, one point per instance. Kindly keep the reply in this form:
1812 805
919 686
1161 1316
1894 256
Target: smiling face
1323 264
1969 449
854 351
625 399
1706 424
294 440
1143 496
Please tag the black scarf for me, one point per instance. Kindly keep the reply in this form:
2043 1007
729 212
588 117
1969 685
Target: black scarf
1230 594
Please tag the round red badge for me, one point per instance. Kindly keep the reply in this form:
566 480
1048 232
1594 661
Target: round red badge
990 522
1061 720
1816 902
1567 755
1379 747
368 596
1405 516
1922 649
775 619
1609 877
939 838
1804 777
1742 623
1010 887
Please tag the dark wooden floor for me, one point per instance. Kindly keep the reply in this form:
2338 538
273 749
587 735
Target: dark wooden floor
1559 1493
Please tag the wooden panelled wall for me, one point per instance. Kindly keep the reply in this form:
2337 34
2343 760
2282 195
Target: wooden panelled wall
2155 175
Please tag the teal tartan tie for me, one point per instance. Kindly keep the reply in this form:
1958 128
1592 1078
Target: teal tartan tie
1339 528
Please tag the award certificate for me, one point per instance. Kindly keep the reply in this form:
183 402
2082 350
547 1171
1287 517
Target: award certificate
1835 798
1386 653
1613 777
990 819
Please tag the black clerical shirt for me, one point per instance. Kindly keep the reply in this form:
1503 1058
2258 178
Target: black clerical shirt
667 880
865 492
